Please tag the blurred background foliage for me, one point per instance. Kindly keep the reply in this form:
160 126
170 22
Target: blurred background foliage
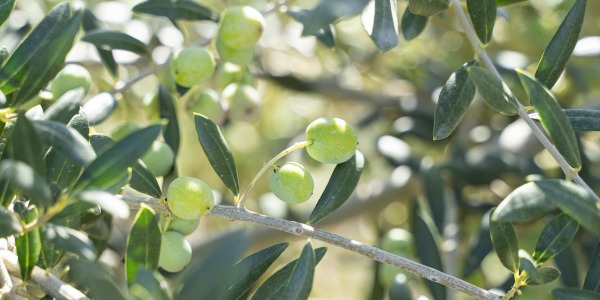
390 99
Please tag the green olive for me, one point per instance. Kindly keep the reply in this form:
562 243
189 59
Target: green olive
333 140
292 183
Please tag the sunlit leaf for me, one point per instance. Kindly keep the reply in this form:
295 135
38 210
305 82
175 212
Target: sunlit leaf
70 240
300 283
44 66
111 39
380 19
99 107
104 169
561 46
575 201
580 119
23 178
26 146
29 245
556 236
106 201
143 244
272 288
505 243
247 271
493 91
65 107
453 102
412 25
217 151
339 188
67 140
553 119
528 202
150 284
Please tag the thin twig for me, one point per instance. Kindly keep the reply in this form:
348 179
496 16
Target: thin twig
299 229
487 61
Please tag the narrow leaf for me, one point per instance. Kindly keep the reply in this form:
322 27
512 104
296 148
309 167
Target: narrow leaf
301 280
214 269
453 102
412 25
61 170
380 20
179 10
553 119
65 107
528 202
574 294
427 7
26 146
29 245
102 171
272 288
70 240
150 284
324 35
111 39
545 275
42 34
106 201
217 151
561 46
339 188
9 223
504 240
479 248
167 111
23 178
556 236
580 119
143 244
247 271
6 7
592 278
329 11
433 189
566 262
44 66
493 91
99 107
100 283
483 17
575 201
426 242
67 140
90 23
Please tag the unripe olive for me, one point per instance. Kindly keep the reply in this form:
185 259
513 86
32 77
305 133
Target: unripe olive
183 226
192 66
208 103
70 77
231 73
333 141
241 27
292 183
159 158
175 252
189 198
236 56
244 102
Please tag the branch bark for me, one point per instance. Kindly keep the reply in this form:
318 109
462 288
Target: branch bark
299 229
